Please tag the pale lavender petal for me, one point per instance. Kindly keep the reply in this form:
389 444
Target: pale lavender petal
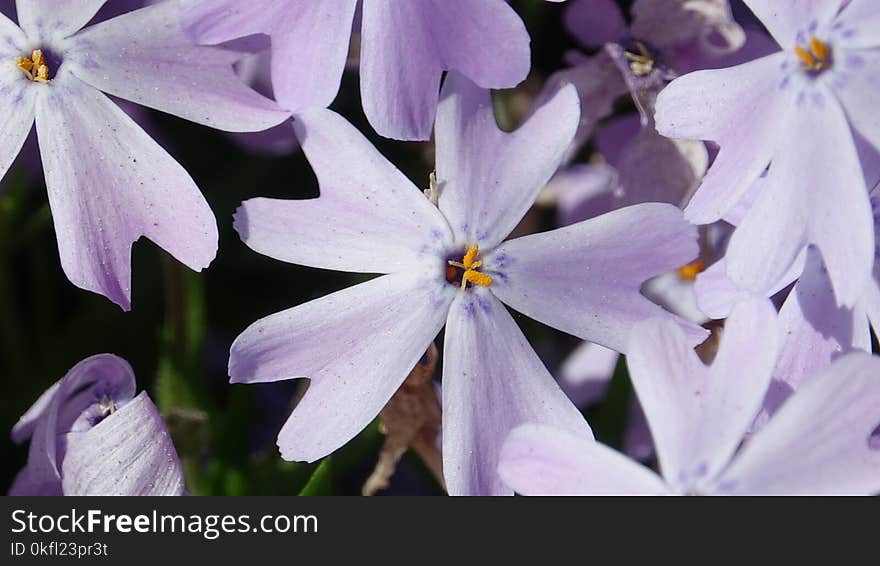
488 178
145 57
819 441
55 19
356 347
670 24
595 22
584 191
860 22
808 173
871 304
25 426
615 134
109 184
815 329
542 460
585 279
405 47
586 373
13 41
26 485
717 293
785 18
676 295
859 79
710 105
71 407
309 41
128 453
699 415
18 100
598 82
492 382
369 217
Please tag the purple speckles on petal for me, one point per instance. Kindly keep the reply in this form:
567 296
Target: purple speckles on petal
485 304
854 61
849 34
469 308
701 470
481 235
727 486
818 98
800 98
801 38
814 25
783 84
436 234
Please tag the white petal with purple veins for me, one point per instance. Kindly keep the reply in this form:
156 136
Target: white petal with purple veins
356 346
369 217
818 442
489 178
492 382
145 57
109 184
128 453
585 279
542 460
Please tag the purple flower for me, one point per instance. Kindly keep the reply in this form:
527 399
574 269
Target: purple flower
796 111
405 47
818 442
108 182
446 266
90 435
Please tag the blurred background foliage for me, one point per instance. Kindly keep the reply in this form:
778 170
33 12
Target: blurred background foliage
178 335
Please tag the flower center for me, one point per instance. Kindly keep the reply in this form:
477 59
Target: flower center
816 57
105 407
641 63
34 68
466 271
690 271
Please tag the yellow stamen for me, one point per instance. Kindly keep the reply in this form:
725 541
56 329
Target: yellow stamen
35 68
469 264
472 252
805 56
817 57
819 48
690 271
477 278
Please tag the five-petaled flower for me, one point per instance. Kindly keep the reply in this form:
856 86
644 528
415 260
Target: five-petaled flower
446 264
109 183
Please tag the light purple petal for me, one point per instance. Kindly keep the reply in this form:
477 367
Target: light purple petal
676 295
309 41
859 78
862 20
542 460
584 190
13 42
492 382
717 293
815 328
405 46
698 415
814 193
25 426
598 82
145 57
489 178
785 18
128 453
369 217
585 279
819 441
109 184
18 100
595 22
586 373
670 24
710 105
71 408
55 19
356 346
